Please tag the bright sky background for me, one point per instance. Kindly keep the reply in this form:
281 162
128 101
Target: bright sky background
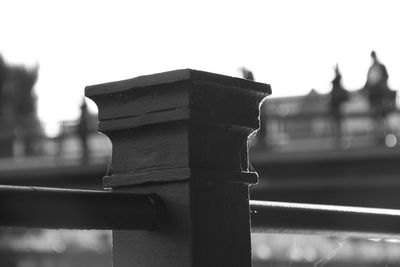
293 45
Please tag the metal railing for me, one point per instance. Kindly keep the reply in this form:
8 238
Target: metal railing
82 209
180 168
353 129
22 206
286 217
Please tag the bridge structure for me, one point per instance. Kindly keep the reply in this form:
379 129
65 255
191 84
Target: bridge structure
176 192
359 176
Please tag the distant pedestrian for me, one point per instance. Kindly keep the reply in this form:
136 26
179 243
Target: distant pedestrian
2 81
381 99
247 74
338 96
376 85
83 132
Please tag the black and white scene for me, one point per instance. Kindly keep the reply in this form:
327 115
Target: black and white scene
199 133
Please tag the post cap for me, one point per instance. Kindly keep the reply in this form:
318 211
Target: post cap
178 124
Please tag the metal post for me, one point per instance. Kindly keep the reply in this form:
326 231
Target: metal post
183 135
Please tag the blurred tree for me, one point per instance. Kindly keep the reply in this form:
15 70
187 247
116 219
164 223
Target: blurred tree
24 99
24 105
18 117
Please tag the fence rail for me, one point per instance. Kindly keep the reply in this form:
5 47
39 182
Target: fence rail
285 217
22 206
88 209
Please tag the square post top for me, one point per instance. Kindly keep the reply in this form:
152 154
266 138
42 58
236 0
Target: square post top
176 122
175 94
172 77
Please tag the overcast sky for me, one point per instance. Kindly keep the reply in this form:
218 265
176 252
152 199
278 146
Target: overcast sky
292 45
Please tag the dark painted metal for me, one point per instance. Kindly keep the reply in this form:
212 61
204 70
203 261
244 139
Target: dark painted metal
284 217
22 206
184 135
58 176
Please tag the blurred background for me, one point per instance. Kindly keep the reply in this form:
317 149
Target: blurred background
329 132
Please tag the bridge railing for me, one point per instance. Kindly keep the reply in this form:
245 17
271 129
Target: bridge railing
179 178
297 131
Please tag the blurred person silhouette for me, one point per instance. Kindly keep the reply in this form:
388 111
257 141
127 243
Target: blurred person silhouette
247 74
2 80
381 98
60 140
338 96
83 132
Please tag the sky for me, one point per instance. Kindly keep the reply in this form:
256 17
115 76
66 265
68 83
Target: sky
292 45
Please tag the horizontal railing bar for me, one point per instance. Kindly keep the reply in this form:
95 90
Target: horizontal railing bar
284 217
41 207
324 115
